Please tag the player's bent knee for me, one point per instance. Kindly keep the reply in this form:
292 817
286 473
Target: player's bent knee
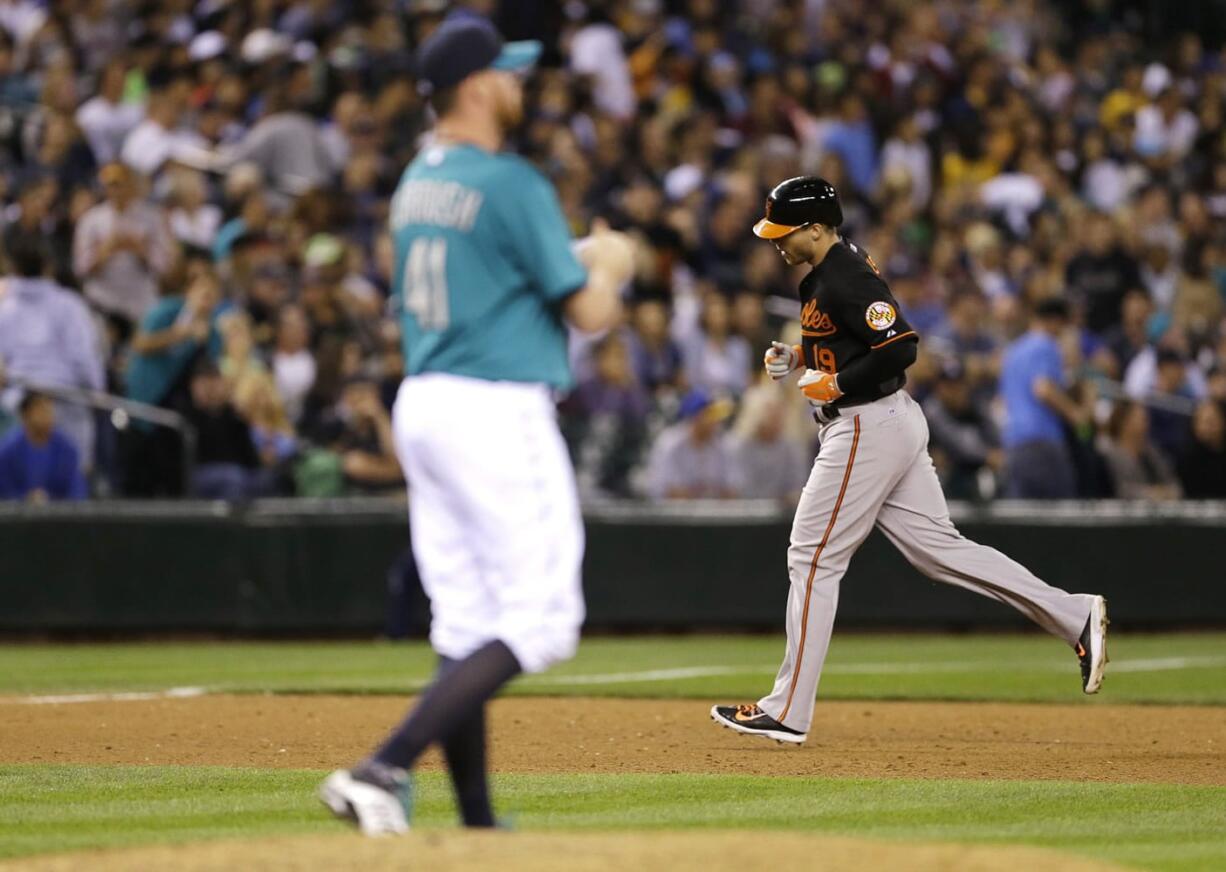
800 558
542 640
541 647
800 553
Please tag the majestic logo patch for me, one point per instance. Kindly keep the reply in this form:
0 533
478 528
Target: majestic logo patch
880 315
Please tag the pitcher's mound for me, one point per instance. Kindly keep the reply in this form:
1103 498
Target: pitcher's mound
458 851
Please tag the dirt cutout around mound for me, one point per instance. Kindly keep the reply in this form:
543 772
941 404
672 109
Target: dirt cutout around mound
565 852
1161 744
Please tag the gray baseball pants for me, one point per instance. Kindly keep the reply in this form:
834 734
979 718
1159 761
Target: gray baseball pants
874 468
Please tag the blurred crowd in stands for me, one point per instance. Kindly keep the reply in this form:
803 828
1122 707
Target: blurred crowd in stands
193 198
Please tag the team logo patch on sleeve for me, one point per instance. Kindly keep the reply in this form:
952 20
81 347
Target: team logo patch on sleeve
880 315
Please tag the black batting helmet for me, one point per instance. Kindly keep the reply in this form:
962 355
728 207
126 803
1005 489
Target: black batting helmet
798 203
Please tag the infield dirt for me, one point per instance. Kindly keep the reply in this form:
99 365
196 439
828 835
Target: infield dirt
1091 742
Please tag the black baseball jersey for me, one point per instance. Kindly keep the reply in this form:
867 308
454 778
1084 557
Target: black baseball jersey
847 311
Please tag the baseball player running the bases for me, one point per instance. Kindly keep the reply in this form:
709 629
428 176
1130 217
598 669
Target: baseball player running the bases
486 274
873 467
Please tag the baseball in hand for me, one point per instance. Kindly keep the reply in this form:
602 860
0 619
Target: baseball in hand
607 250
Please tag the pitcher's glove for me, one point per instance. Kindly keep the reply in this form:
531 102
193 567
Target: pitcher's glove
780 359
819 388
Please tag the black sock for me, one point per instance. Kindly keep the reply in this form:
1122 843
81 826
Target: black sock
457 694
464 749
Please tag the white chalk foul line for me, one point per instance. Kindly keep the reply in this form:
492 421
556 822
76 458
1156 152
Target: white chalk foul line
650 675
1162 664
1153 664
1158 664
134 696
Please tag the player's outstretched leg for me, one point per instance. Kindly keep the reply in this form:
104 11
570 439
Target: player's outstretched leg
370 793
916 519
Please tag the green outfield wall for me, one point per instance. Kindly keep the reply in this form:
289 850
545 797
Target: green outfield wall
323 566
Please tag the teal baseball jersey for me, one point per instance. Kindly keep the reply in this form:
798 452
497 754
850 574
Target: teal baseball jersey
483 263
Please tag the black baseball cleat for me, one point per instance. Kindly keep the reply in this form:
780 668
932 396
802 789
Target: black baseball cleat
752 721
1091 648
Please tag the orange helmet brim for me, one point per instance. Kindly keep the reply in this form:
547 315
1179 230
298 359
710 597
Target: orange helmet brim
767 229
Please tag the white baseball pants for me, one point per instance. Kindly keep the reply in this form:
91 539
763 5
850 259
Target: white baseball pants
496 527
874 468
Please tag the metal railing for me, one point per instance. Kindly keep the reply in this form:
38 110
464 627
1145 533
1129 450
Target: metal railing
122 412
271 512
1176 403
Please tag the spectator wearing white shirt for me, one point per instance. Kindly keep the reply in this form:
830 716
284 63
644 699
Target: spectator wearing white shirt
193 220
1105 183
1015 196
121 248
1165 128
596 50
1057 83
22 19
107 119
293 364
1144 375
908 151
158 138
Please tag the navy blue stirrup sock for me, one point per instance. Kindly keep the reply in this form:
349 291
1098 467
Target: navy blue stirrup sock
464 749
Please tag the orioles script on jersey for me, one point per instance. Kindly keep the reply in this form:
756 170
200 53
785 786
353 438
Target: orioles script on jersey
814 322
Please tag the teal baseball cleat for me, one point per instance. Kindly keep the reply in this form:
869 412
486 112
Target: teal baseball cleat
376 798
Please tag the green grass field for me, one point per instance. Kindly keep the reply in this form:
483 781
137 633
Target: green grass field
1187 668
1154 826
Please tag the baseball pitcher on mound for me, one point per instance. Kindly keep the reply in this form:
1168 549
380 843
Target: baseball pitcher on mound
873 467
486 273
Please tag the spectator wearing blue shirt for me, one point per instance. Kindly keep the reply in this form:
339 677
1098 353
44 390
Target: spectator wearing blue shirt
48 337
37 462
852 139
1038 464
